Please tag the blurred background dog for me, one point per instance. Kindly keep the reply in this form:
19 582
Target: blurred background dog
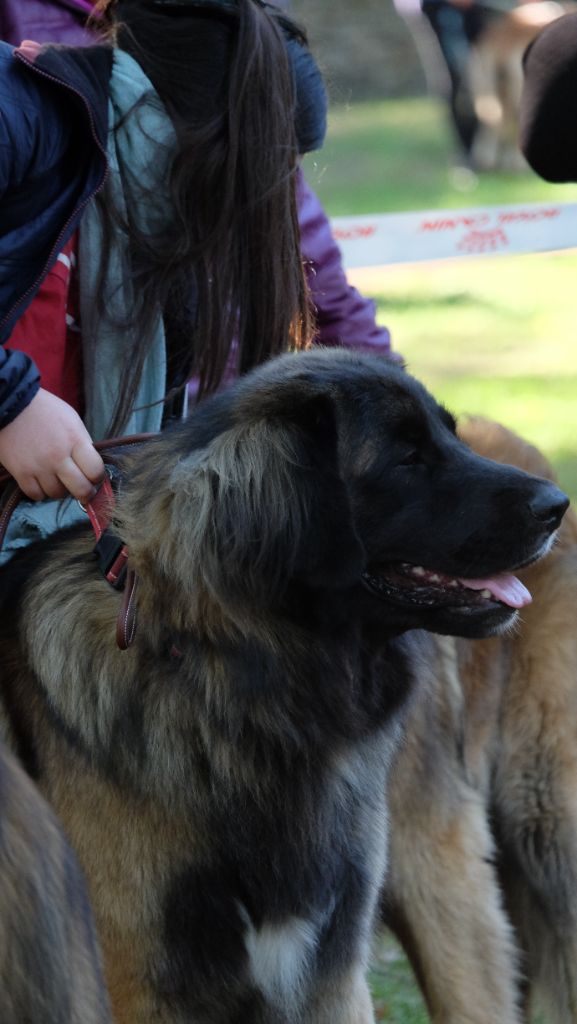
482 889
496 81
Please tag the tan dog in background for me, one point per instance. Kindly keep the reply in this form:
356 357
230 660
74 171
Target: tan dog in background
482 890
496 78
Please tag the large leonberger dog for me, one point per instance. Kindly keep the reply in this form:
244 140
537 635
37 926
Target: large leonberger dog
482 887
222 780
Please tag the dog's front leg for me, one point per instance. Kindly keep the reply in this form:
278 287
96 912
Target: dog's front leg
345 1000
442 896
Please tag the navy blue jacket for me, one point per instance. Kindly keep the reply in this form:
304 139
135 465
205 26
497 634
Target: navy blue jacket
53 129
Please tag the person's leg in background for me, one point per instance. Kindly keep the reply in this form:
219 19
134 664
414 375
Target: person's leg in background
448 22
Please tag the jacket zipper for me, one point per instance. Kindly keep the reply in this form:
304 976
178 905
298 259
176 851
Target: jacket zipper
56 247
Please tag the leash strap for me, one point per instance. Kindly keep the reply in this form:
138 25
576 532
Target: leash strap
13 496
110 550
112 555
99 509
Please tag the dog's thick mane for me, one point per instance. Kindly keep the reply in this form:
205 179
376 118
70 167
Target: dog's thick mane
238 485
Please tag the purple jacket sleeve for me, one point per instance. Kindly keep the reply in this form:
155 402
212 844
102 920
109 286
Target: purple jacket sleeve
61 21
344 317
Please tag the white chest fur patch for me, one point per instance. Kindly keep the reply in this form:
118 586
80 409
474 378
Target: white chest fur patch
280 956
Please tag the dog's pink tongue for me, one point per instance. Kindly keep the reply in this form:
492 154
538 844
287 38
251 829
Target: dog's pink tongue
506 588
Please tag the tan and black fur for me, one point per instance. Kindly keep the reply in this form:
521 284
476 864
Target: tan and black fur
222 780
50 964
482 889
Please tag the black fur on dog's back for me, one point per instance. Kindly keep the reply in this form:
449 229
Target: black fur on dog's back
228 769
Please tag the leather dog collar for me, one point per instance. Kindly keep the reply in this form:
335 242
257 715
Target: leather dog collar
112 554
111 551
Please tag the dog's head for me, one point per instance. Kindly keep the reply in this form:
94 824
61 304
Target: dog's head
331 475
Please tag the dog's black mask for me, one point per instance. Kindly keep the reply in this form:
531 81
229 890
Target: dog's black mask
362 487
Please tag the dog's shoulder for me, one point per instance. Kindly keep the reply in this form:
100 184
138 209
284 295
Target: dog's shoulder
64 548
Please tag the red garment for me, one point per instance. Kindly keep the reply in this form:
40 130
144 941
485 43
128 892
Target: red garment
49 330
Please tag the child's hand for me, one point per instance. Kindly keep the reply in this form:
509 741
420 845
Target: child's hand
49 452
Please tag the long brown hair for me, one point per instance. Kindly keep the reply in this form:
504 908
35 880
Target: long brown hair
229 266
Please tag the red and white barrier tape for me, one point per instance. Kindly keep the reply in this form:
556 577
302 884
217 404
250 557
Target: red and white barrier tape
372 240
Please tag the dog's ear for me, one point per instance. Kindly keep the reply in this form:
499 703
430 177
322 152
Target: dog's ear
266 505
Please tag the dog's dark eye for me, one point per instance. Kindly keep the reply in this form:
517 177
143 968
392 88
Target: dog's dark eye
412 458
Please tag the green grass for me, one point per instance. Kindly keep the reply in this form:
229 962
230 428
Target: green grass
397 155
396 998
496 335
492 335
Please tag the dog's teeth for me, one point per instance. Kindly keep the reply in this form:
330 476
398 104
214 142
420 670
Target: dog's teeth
434 578
485 593
418 570
453 583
